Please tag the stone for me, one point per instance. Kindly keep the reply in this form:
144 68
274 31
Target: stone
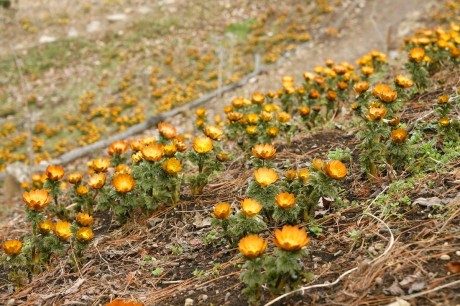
117 17
188 302
444 257
45 39
93 26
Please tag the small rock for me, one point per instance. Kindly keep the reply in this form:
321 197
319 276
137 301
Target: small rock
117 17
46 39
444 257
190 292
93 26
203 297
72 33
457 253
227 296
10 302
378 281
152 222
188 302
316 259
372 250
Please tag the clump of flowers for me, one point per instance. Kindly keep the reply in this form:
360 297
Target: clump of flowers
417 67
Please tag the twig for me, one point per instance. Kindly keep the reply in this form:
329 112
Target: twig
303 289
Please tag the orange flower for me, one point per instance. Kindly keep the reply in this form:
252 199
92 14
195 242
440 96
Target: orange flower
266 116
101 164
45 226
122 168
385 93
237 102
258 98
97 180
153 152
314 94
399 135
54 172
285 200
331 95
118 147
74 177
342 85
222 210
377 113
252 130
443 99
304 175
361 87
170 149
291 238
265 176
403 81
417 54
264 151
12 247
367 71
36 199
118 302
252 246
167 130
251 207
180 145
85 234
82 190
84 219
62 230
148 140
395 121
336 169
304 111
213 132
202 145
123 182
172 166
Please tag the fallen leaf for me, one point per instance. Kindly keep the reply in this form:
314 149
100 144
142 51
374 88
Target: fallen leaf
453 267
394 289
427 202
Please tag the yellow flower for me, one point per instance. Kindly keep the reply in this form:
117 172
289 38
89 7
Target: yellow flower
291 238
367 70
266 116
82 190
258 98
222 210
291 174
304 111
272 131
172 166
331 95
222 156
170 149
304 175
417 54
395 121
202 145
336 169
317 164
443 99
118 147
250 207
314 94
385 93
252 118
180 145
153 152
377 113
85 234
444 122
36 199
101 164
148 140
97 180
201 112
252 130
265 176
199 122
84 219
123 182
285 200
167 130
74 177
45 226
12 247
122 168
213 132
264 151
62 230
237 102
136 145
54 172
284 117
342 85
403 81
252 246
308 76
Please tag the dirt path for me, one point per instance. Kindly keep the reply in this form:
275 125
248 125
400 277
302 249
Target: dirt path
372 25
